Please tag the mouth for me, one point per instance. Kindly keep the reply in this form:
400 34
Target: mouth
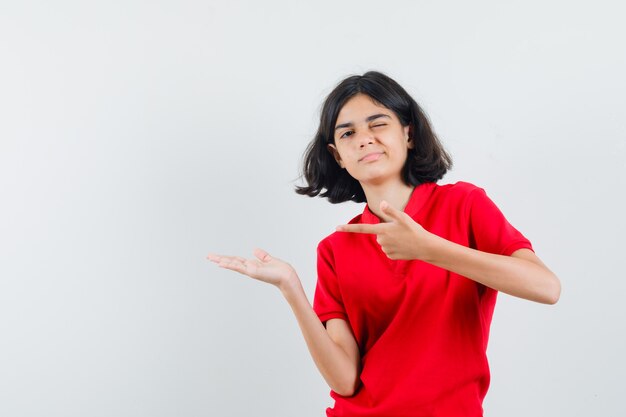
373 156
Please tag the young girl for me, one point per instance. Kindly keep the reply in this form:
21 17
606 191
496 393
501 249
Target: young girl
406 290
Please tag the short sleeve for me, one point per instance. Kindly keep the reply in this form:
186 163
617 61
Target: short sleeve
328 303
489 229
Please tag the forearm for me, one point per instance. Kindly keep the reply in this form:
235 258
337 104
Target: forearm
336 357
512 275
338 367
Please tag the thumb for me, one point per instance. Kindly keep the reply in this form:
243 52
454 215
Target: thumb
391 211
262 255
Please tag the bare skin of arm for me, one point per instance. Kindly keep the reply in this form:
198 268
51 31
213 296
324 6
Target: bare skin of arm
333 348
522 274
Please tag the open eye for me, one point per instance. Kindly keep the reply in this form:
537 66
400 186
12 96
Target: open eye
346 134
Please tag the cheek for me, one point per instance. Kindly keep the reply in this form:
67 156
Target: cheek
400 150
344 152
402 154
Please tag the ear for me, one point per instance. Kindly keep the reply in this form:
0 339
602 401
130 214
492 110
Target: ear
408 134
335 153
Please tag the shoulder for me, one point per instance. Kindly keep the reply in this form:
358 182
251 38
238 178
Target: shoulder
451 202
459 188
459 192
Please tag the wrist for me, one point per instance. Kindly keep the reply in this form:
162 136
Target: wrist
290 284
432 248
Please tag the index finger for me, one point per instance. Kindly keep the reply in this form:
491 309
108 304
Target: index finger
360 228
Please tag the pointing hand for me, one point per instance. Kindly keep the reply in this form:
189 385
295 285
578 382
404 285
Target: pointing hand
400 238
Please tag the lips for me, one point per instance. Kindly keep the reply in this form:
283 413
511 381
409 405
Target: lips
372 156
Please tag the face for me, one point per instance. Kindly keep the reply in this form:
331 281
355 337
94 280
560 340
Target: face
370 142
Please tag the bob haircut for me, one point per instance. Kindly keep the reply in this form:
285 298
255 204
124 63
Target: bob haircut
427 161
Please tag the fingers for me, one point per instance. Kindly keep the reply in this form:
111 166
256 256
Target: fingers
361 228
262 255
233 263
236 265
222 259
387 209
213 257
391 211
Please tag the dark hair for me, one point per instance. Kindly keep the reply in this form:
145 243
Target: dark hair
427 161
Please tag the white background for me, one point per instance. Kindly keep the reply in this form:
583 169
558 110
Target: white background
136 136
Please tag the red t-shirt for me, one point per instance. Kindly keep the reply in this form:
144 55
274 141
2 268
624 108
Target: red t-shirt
422 331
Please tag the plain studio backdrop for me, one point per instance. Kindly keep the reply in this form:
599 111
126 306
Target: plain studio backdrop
137 136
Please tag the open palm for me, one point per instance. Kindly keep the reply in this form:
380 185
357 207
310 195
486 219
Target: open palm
264 268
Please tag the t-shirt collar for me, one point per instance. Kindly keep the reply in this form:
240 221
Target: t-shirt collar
417 200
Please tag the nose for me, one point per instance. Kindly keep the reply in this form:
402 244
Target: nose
365 137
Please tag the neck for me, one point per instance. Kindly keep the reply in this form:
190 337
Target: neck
396 194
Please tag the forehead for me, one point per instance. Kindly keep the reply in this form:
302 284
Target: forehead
360 107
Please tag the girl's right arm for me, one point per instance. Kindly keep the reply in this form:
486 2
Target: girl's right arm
333 348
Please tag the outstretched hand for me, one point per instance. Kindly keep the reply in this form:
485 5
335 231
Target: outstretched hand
264 268
400 238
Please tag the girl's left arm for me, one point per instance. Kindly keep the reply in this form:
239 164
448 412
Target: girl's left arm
522 274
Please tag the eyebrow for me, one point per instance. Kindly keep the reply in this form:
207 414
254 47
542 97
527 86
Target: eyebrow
368 119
